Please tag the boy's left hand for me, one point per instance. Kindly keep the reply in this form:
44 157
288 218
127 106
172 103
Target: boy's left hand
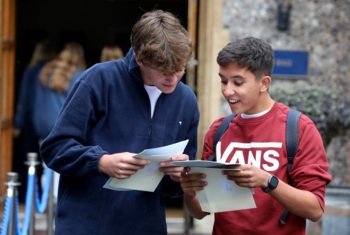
173 171
247 175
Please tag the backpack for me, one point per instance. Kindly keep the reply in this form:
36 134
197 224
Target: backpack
292 138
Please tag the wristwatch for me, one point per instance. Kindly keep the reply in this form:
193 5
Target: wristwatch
271 184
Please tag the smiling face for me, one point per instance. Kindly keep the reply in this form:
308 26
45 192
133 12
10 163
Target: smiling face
243 91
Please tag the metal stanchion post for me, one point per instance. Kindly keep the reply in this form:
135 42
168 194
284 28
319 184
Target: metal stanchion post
51 207
32 163
12 191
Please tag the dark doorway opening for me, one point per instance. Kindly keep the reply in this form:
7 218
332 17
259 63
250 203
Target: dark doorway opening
93 23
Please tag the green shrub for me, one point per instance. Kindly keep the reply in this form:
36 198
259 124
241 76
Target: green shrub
329 109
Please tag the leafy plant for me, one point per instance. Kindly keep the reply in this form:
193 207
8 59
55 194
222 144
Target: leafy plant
329 109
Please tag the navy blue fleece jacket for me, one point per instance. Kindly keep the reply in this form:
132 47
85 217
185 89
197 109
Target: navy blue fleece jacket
108 111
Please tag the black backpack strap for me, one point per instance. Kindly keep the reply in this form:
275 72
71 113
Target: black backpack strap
292 139
219 132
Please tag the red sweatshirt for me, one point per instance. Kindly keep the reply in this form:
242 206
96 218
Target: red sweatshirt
261 142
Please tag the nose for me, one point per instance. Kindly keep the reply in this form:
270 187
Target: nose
174 77
228 89
171 77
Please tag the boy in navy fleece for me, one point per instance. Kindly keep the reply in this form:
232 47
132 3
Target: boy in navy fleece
116 110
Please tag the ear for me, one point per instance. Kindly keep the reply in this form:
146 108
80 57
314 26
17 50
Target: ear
138 61
265 83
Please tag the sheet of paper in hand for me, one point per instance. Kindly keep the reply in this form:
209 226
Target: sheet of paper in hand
148 178
220 194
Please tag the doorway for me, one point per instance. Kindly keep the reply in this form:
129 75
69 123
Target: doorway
92 23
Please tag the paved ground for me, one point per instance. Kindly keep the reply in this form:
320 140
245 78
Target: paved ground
175 221
335 221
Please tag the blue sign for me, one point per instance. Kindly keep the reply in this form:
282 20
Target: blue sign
291 63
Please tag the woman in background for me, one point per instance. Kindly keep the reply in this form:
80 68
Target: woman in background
53 85
26 139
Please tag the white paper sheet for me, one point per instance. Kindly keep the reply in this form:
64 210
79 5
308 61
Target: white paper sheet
220 194
148 178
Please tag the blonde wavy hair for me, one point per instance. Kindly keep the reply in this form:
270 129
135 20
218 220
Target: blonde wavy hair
57 74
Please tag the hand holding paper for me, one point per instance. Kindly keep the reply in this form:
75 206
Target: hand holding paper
173 171
220 194
148 178
121 165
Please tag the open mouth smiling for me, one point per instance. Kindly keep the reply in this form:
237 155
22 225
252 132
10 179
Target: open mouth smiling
233 101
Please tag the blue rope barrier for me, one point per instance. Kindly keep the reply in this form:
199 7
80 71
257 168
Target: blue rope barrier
6 216
41 204
28 206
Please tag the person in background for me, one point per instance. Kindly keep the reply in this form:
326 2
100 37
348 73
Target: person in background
26 139
53 84
259 132
116 110
111 52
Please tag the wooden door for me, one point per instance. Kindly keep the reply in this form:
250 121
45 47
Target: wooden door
7 68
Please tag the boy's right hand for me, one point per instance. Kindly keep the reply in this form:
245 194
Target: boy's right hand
192 182
121 165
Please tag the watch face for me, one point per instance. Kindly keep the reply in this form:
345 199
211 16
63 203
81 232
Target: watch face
273 182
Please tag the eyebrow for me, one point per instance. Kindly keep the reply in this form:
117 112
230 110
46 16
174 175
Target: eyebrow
232 77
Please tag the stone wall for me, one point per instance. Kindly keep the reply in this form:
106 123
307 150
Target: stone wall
320 27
